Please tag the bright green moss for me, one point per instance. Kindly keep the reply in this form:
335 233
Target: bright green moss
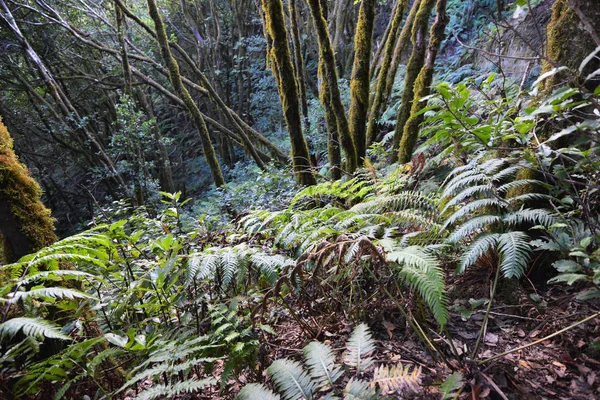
21 194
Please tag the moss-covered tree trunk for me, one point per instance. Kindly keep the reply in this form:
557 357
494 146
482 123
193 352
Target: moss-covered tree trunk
25 223
330 74
403 40
359 84
422 84
175 78
572 34
298 59
288 90
415 63
383 71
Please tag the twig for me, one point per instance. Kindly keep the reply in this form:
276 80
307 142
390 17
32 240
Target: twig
496 388
541 340
489 53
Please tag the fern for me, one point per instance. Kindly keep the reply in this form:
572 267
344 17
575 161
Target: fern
396 378
483 214
35 327
320 360
359 346
255 391
291 380
515 253
53 292
170 391
421 271
452 383
359 390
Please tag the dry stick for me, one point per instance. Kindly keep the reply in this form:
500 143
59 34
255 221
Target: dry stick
487 315
540 340
490 53
496 388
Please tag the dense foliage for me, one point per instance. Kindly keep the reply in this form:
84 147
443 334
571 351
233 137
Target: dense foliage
269 286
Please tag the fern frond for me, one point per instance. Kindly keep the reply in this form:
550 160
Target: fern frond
171 391
452 383
529 216
54 292
359 346
396 379
466 193
291 380
62 273
515 253
229 266
421 271
471 207
482 244
255 391
402 201
35 327
474 225
320 360
359 390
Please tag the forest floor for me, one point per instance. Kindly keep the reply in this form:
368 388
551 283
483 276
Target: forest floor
565 366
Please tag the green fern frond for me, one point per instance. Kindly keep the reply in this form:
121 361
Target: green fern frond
515 253
291 380
505 173
53 275
481 245
516 184
452 383
229 266
485 189
255 391
421 271
53 292
396 379
320 360
34 327
359 346
529 216
473 206
472 226
171 391
359 390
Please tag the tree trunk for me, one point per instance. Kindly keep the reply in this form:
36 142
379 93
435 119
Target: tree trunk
175 78
383 71
25 223
423 83
298 59
400 46
415 63
288 91
359 84
330 74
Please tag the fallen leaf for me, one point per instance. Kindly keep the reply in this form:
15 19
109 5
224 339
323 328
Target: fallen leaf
491 339
389 327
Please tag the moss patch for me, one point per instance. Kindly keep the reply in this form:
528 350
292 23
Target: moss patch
33 227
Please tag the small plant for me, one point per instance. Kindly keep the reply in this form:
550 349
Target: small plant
292 381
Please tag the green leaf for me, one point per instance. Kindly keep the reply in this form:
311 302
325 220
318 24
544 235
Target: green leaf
35 327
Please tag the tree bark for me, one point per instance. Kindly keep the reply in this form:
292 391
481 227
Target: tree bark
176 81
383 71
25 223
288 91
359 84
423 83
330 74
415 63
